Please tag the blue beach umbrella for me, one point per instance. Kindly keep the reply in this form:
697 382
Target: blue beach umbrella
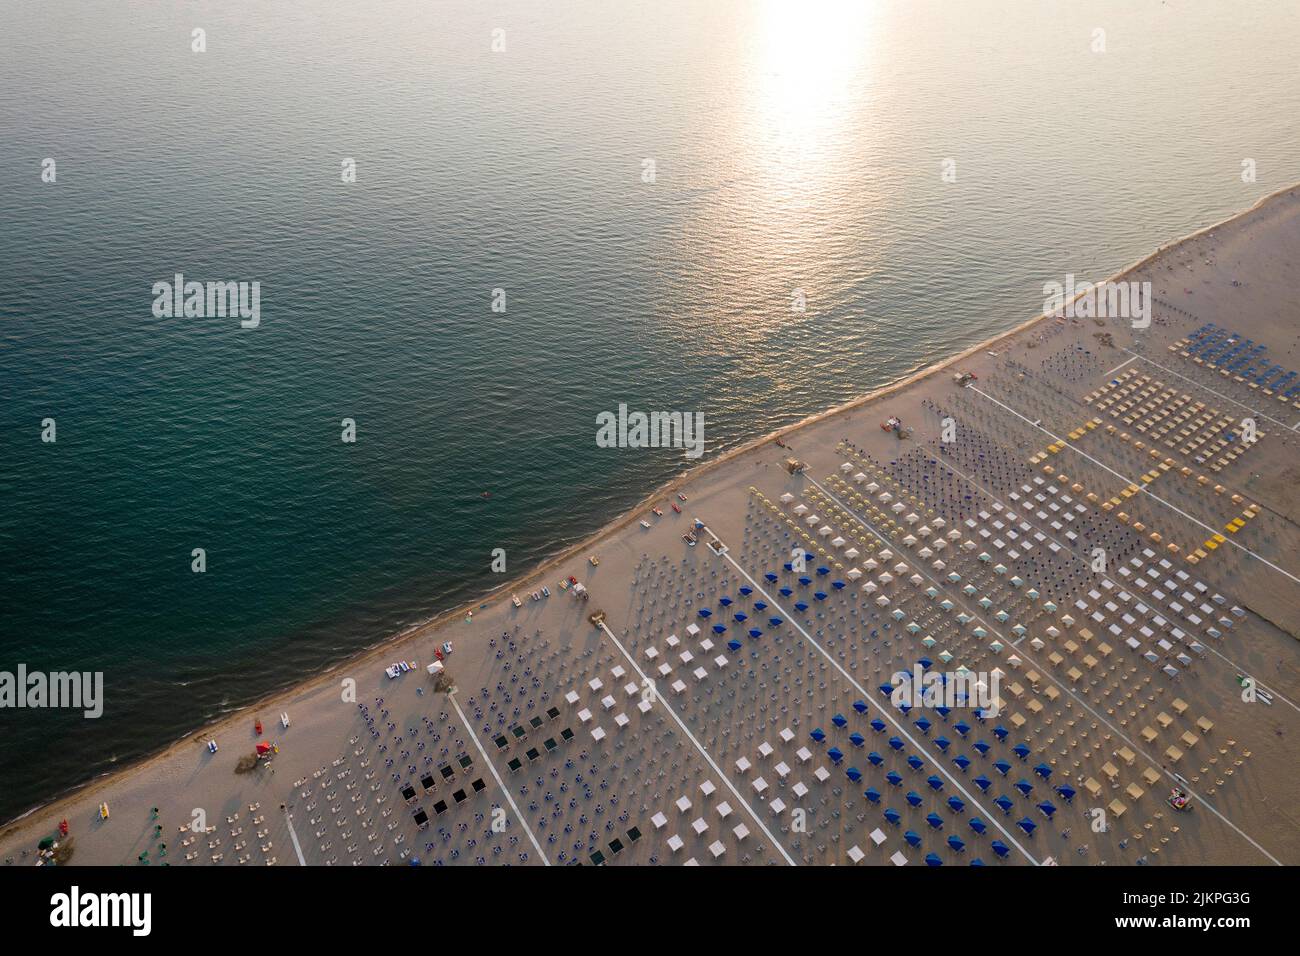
838 720
914 798
978 825
962 761
817 734
875 759
893 778
932 859
705 612
912 837
857 739
755 632
935 821
957 844
896 743
892 815
835 754
915 762
719 629
877 725
801 606
1004 803
956 805
1028 825
786 592
724 601
872 794
934 782
854 774
860 706
1000 848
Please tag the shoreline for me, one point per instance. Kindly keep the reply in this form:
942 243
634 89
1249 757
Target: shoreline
619 522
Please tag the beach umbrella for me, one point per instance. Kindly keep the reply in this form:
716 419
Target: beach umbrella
775 621
857 739
892 815
1066 792
1004 803
977 862
820 595
854 774
788 567
914 798
943 743
983 783
962 728
1028 825
912 837
1044 771
956 805
838 720
746 590
877 724
957 843
886 689
1047 808
818 734
1001 766
741 616
800 606
786 592
978 825
772 577
705 612
981 748
1025 787
724 601
733 645
915 762
760 606
932 859
875 759
805 580
860 706
962 761
835 754
755 632
1000 732
823 570
838 585
1021 751
896 743
872 794
934 782
893 778
719 628
1000 848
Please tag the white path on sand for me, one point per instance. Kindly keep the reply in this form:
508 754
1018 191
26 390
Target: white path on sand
1141 489
659 698
1082 703
884 711
293 835
1028 519
469 728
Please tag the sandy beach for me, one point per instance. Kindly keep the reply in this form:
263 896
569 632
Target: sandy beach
726 709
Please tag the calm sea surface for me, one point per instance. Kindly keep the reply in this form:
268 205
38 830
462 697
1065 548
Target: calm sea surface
796 146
